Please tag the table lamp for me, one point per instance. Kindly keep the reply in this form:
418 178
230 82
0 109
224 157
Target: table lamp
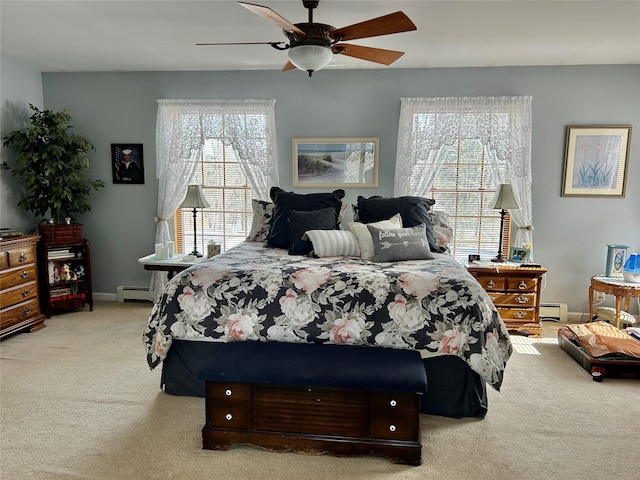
194 199
503 200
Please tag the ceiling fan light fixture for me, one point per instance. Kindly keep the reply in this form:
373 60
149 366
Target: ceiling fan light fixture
310 58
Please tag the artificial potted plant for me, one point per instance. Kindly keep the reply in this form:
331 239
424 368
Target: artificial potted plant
52 162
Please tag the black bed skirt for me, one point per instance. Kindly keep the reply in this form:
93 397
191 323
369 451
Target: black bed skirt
454 389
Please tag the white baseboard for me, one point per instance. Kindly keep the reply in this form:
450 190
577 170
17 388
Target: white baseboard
105 297
134 293
554 311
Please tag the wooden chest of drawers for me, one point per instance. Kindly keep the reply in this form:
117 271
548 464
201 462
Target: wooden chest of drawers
313 420
19 306
515 291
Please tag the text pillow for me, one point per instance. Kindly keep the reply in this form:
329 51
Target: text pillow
301 222
333 243
278 236
363 236
400 244
413 210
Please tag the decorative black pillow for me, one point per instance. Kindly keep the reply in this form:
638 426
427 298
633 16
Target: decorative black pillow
413 210
279 231
400 244
302 222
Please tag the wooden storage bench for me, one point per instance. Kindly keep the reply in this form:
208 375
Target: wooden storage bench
343 400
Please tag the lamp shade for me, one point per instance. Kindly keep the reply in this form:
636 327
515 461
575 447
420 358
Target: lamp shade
504 198
194 198
310 58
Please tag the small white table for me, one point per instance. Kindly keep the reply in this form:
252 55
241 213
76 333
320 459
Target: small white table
172 265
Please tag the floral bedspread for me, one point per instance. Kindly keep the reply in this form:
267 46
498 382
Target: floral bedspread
263 294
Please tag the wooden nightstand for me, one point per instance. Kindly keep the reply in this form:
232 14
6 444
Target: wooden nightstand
515 291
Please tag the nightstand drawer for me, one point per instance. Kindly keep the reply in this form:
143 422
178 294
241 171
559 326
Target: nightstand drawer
492 283
513 299
517 314
523 284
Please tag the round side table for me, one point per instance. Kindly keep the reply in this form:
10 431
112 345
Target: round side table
613 286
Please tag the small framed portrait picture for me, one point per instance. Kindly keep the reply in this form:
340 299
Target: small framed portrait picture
616 256
519 254
127 163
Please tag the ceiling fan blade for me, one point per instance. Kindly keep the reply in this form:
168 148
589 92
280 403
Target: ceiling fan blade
273 17
288 66
378 55
388 24
243 43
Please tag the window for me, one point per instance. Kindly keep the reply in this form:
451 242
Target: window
457 150
225 186
228 148
464 187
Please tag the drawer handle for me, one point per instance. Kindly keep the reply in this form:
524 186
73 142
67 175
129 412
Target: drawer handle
228 392
393 403
392 428
24 274
228 416
25 292
490 284
520 314
26 311
522 299
22 257
522 285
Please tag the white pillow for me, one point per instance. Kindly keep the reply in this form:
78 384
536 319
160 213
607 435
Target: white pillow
363 236
333 243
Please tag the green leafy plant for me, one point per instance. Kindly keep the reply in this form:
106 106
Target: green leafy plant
52 162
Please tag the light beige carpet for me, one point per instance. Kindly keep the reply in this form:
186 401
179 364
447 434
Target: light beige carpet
79 402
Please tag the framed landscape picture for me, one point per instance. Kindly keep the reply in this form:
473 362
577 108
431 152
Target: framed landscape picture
335 162
596 161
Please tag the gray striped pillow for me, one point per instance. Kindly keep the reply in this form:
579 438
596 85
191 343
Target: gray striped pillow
333 243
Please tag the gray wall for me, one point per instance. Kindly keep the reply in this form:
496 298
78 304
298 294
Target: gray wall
19 86
570 234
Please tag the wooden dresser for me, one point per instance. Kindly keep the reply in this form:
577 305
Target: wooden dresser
19 305
515 291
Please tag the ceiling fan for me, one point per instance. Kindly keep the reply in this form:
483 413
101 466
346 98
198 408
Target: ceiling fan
312 45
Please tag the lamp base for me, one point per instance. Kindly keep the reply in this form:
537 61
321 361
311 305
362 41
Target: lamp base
499 259
196 253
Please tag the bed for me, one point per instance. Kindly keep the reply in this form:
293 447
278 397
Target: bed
260 292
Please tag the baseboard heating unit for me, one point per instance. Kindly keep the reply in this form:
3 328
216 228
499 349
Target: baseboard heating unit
554 311
134 293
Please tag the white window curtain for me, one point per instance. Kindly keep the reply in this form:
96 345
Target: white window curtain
182 126
502 124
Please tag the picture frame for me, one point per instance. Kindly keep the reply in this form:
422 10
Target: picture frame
596 160
335 162
616 256
519 254
127 163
